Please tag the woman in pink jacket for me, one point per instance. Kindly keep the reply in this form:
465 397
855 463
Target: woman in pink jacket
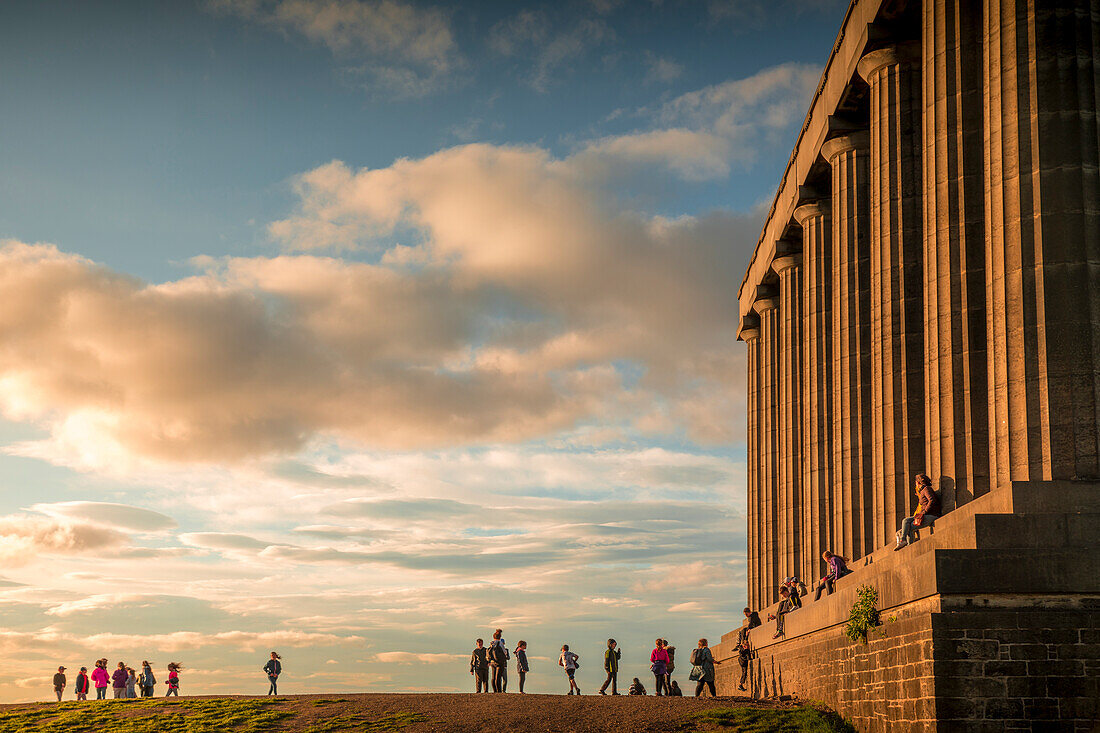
659 666
101 679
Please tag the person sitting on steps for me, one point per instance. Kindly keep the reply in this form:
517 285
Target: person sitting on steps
928 511
785 607
838 568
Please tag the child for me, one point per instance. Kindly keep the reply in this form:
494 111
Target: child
521 664
636 687
174 679
148 681
674 689
131 682
82 684
118 681
59 683
569 660
101 678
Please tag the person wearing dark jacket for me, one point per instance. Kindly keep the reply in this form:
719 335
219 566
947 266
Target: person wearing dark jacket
273 668
744 654
521 664
83 684
674 689
928 511
703 660
59 682
636 687
479 667
118 680
611 659
148 680
498 661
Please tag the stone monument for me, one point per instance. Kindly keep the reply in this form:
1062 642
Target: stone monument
925 298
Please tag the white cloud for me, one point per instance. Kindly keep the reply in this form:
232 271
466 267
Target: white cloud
418 658
24 539
119 516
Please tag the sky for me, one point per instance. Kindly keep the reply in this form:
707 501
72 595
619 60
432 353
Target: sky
355 329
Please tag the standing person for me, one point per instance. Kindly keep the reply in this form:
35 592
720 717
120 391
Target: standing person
148 681
59 682
671 651
174 679
703 670
611 659
570 661
521 664
479 667
118 680
131 682
274 668
838 568
101 678
928 511
82 684
498 661
658 665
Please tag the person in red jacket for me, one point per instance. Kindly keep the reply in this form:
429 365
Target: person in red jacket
118 680
928 511
82 684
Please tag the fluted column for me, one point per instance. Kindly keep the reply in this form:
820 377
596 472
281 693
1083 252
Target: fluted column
789 270
851 291
957 447
751 336
897 252
1042 201
768 390
817 385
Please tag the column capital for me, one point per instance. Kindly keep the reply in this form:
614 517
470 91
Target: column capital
810 210
859 140
902 53
748 333
786 262
765 304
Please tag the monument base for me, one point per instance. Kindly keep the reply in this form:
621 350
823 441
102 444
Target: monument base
991 621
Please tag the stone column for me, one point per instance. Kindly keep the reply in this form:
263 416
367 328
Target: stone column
1042 205
768 452
851 292
897 308
957 452
751 336
817 385
789 269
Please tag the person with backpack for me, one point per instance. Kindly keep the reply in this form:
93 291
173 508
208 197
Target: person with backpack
59 682
521 664
273 668
82 684
611 659
658 665
702 671
570 662
479 667
498 661
148 681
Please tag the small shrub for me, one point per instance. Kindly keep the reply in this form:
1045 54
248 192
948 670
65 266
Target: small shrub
864 615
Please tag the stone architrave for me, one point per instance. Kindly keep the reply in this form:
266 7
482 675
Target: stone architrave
897 252
768 460
849 159
788 268
957 450
751 336
817 385
1042 205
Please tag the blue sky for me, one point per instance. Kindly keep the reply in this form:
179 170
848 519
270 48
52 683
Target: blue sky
358 328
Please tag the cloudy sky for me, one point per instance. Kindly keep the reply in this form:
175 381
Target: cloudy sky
357 328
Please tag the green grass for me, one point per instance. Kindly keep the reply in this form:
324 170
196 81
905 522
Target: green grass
146 716
800 719
388 722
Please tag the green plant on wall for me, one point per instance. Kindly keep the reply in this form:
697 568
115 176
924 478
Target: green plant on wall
864 614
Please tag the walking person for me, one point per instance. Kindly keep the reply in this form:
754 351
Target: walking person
148 681
131 682
118 680
671 651
82 684
273 668
570 662
521 664
101 678
702 671
838 568
658 665
59 682
479 667
928 511
498 661
174 679
611 659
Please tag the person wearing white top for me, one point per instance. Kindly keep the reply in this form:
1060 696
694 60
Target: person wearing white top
570 662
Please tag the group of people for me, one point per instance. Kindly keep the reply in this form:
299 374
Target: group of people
124 681
489 667
791 591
